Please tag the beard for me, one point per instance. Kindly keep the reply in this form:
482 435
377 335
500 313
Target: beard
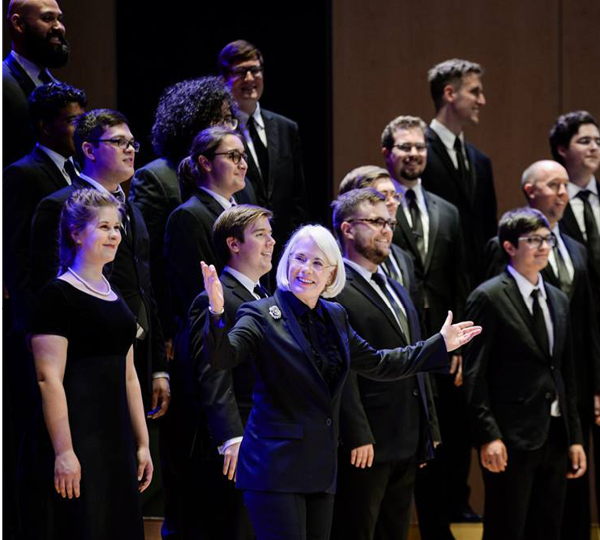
45 53
411 175
371 252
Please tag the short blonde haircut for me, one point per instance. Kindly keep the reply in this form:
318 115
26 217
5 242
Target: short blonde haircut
327 244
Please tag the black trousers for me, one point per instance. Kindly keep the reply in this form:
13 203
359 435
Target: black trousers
373 502
526 501
290 516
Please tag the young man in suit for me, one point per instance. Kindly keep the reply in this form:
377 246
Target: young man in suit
545 185
385 426
38 40
429 229
521 388
275 169
575 144
242 238
457 171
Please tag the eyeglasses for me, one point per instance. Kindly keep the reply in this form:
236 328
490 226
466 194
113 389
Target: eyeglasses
234 156
389 196
378 223
122 143
317 265
407 147
535 241
231 122
242 72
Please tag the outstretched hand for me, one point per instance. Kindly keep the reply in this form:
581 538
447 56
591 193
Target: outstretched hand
459 334
213 287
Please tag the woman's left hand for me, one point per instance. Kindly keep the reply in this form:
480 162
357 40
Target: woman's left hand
145 467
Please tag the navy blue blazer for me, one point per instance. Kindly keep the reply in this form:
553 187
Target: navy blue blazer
291 439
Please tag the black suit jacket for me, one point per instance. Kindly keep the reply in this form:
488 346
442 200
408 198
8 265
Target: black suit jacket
291 439
510 382
188 240
17 136
284 192
130 274
478 211
442 278
224 396
584 326
25 183
393 415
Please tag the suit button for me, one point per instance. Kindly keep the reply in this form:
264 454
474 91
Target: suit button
552 368
548 395
328 422
415 392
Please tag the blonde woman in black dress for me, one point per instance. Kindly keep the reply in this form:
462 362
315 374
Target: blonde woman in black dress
81 336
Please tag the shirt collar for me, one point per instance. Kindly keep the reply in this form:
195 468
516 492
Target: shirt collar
446 135
99 186
299 308
226 204
57 158
32 69
525 286
573 189
360 269
402 189
244 116
244 280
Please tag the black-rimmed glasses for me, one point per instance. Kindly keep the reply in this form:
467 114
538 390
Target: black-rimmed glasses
378 223
234 156
122 143
535 241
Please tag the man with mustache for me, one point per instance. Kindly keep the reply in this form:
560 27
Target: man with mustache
38 43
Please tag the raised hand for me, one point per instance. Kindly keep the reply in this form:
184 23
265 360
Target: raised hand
213 287
459 334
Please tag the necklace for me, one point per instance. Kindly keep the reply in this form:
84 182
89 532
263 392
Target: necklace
86 284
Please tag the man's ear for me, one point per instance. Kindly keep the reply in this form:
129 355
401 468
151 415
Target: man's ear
204 163
17 22
233 244
562 151
385 152
88 151
347 231
528 189
449 93
509 248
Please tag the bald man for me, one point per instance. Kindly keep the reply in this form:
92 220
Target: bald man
38 43
545 185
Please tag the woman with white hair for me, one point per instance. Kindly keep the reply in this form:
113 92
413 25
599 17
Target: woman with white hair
304 347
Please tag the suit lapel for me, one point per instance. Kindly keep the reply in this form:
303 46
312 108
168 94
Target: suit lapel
254 176
558 321
272 130
20 75
514 295
361 285
210 202
437 146
576 261
406 232
411 314
236 288
50 168
568 225
434 221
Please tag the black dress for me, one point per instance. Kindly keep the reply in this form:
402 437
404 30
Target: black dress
100 332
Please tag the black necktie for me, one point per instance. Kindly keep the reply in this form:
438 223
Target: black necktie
70 169
563 272
390 270
381 281
260 291
417 224
539 323
261 151
591 229
44 77
462 167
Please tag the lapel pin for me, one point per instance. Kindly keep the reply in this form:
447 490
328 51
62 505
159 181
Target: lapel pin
275 312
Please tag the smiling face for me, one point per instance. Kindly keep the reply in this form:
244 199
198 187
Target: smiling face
309 271
97 243
528 260
369 241
582 157
223 175
467 99
548 192
111 163
407 158
386 187
40 24
253 256
246 87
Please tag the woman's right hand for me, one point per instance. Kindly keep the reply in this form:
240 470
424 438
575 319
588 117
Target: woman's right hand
67 474
213 287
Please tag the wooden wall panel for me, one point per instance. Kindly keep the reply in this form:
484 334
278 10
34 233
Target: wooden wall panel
381 54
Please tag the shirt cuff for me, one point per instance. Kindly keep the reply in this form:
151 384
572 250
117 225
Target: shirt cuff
161 375
221 449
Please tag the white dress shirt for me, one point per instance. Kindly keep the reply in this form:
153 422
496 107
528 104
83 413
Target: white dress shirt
59 160
577 204
526 288
448 139
226 204
563 251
